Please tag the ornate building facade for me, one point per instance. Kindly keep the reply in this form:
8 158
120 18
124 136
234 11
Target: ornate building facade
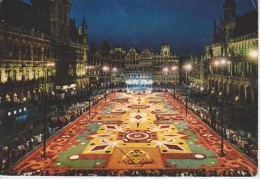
135 69
40 55
234 59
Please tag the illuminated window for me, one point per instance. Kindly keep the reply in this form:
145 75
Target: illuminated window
20 110
9 113
24 109
14 112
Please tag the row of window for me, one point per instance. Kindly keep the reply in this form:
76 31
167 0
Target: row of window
15 111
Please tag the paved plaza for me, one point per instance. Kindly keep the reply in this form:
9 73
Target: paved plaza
136 130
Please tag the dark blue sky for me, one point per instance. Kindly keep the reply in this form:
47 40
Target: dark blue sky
185 24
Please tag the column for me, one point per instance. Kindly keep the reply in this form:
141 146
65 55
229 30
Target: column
19 52
42 54
32 53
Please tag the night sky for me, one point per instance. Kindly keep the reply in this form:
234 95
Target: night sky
185 24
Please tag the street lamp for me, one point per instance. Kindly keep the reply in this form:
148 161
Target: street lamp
105 69
187 68
114 72
88 68
174 68
222 62
165 70
236 101
49 64
222 123
253 54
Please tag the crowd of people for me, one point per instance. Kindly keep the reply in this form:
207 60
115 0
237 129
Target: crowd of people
151 173
25 143
14 152
211 116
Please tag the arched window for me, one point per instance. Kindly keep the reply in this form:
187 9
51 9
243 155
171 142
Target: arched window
7 98
29 95
14 75
15 97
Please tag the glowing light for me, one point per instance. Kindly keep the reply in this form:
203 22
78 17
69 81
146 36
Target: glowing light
188 66
253 54
174 68
216 63
50 64
223 61
105 68
114 69
165 69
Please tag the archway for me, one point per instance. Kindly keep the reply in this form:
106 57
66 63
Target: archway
216 87
231 91
35 96
249 95
225 89
7 98
242 93
29 96
40 94
22 97
15 98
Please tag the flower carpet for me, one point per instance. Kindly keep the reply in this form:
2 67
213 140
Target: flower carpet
136 131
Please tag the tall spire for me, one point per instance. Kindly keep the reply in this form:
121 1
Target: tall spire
84 19
229 3
215 26
229 10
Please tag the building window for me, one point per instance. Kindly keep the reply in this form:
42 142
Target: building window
14 112
9 113
15 97
7 98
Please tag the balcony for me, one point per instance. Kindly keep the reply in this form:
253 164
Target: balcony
24 31
232 78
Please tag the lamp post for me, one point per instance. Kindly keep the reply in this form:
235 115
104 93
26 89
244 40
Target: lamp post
88 68
222 62
174 68
222 123
105 69
187 68
49 64
165 70
114 73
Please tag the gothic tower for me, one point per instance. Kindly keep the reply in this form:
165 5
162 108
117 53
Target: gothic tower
229 10
84 31
60 20
229 22
84 38
215 35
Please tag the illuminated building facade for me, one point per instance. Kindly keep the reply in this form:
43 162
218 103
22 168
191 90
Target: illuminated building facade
42 54
234 60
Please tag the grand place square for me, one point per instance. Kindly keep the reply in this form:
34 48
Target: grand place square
129 88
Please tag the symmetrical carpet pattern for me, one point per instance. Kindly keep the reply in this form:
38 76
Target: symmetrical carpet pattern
136 131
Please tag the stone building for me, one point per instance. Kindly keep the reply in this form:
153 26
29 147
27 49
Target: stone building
135 69
42 53
234 60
